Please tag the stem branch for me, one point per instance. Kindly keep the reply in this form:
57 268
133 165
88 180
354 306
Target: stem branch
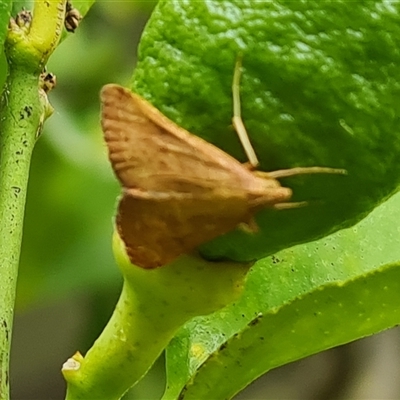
153 305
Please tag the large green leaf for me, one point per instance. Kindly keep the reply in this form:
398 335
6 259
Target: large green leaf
301 301
320 87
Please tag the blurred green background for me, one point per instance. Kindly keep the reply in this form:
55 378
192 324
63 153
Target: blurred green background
68 282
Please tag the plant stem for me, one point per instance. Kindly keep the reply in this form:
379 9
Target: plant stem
120 355
22 112
19 120
153 305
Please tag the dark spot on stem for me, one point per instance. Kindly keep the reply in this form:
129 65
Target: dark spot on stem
223 346
17 190
5 326
23 18
182 393
255 321
47 81
275 260
26 112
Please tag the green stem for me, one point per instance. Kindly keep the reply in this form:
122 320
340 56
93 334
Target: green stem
120 356
19 123
22 112
153 305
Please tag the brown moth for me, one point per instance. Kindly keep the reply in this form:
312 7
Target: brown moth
179 191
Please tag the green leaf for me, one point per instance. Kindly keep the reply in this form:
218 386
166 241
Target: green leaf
319 87
5 10
301 301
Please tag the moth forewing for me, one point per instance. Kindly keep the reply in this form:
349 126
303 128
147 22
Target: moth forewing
149 151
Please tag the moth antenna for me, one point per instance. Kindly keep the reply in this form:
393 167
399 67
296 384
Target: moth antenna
288 206
237 115
283 173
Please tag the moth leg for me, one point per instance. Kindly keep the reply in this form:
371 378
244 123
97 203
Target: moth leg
237 116
283 173
288 206
249 227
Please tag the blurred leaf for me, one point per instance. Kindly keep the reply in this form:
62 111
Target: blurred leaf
301 301
68 228
5 10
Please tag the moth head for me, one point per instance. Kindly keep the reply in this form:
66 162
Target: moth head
267 192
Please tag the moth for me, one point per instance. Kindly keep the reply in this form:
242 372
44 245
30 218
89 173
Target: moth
179 191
